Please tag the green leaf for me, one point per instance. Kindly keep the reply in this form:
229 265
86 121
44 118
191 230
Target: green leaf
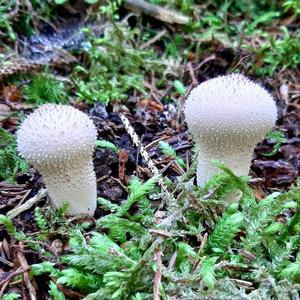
45 88
180 88
107 144
107 205
167 149
10 163
292 271
41 268
77 279
119 227
279 139
138 192
11 296
273 228
60 1
184 252
7 222
207 271
102 243
55 293
225 230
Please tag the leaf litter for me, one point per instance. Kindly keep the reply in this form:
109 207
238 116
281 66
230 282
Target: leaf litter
141 245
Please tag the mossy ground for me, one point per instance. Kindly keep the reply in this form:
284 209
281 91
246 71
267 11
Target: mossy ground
145 241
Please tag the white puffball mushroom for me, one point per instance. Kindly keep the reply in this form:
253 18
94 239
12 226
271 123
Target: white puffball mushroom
227 116
58 140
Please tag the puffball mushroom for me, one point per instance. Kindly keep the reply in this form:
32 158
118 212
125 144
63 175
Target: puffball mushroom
58 140
227 116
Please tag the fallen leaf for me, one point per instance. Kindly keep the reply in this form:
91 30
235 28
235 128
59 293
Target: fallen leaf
12 93
5 112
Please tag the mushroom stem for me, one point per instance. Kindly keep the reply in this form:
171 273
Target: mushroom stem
77 182
235 160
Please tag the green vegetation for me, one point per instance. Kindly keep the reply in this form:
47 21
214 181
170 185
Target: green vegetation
106 144
11 296
19 235
18 18
5 24
278 137
119 264
226 21
45 88
10 163
114 68
278 53
293 6
196 243
166 149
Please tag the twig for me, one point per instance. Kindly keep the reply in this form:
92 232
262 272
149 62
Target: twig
123 158
120 183
178 167
138 155
5 261
161 232
153 143
157 12
192 74
204 61
26 278
5 282
202 245
242 283
157 275
172 261
28 204
157 37
24 197
239 62
167 166
46 245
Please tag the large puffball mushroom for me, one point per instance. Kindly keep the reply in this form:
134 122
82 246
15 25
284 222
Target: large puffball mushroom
227 116
58 140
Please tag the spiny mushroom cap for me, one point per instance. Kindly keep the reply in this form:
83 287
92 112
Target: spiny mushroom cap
53 134
231 110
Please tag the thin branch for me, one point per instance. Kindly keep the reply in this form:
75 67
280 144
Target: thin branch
157 12
28 204
157 37
5 282
157 275
26 278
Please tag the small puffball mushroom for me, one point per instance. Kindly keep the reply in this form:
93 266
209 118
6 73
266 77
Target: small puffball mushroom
58 140
228 116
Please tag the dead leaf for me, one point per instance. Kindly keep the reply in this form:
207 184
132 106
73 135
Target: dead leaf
5 112
12 93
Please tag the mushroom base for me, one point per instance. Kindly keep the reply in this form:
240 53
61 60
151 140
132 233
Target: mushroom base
238 162
74 184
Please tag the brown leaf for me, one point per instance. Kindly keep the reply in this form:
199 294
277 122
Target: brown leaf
6 248
275 173
12 93
5 112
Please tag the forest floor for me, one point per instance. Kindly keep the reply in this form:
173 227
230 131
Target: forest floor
152 237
